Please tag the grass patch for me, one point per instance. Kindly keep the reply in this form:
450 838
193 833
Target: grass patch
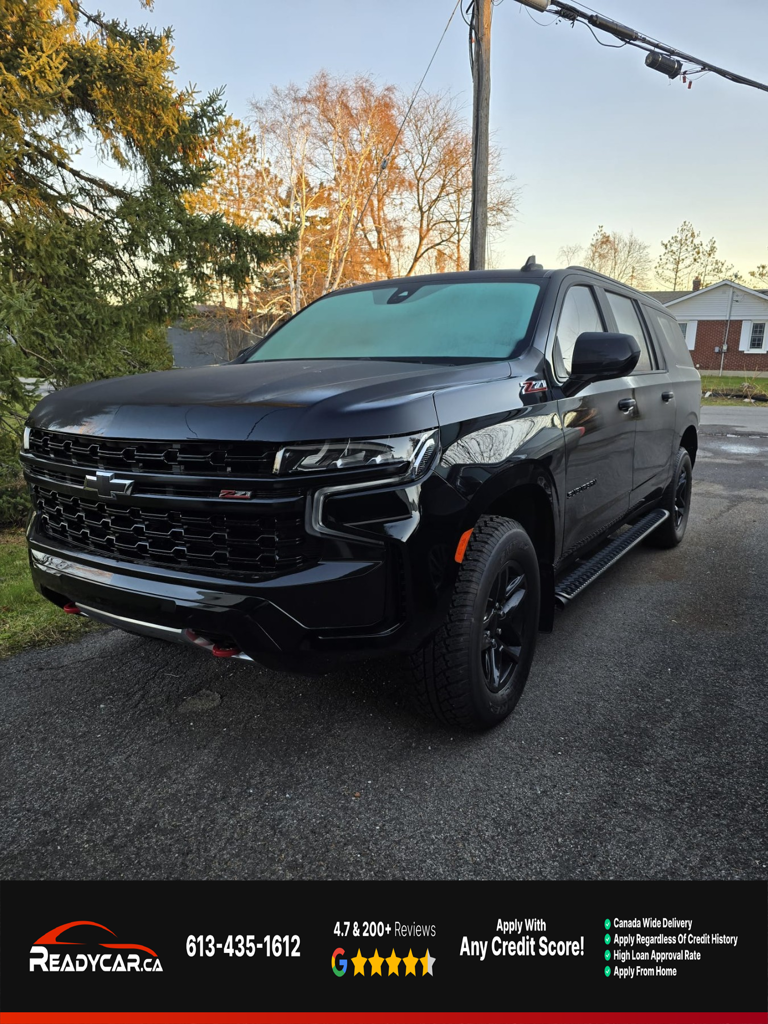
26 619
742 385
720 400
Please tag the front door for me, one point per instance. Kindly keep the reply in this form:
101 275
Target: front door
599 428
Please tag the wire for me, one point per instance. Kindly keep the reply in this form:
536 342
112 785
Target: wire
385 162
544 24
469 20
571 13
611 46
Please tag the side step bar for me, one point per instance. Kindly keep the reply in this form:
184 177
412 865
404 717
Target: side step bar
580 578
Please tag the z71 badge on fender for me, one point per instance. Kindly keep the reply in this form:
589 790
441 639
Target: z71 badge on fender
528 387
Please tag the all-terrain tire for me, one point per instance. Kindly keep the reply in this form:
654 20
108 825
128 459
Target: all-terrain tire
677 501
471 674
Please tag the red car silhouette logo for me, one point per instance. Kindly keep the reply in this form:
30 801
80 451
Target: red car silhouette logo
44 958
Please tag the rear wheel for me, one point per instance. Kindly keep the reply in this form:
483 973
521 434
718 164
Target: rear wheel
472 673
677 501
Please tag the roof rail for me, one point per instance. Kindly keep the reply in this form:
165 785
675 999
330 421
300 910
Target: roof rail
605 277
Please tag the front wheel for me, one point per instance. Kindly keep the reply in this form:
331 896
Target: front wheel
472 673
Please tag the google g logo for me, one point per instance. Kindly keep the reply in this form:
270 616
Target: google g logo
341 970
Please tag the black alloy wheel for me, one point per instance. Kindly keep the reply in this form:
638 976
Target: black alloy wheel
682 496
503 627
677 501
472 672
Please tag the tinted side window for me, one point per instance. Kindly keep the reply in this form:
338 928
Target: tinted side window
579 314
628 322
669 328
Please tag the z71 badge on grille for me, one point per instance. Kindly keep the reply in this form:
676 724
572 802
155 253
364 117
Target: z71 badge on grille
235 494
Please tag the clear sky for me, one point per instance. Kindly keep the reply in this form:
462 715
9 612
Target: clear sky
591 135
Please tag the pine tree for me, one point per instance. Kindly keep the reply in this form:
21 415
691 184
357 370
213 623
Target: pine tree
680 254
93 266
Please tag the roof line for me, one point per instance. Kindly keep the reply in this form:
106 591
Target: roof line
733 284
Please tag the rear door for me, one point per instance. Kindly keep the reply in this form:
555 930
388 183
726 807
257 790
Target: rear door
598 425
654 395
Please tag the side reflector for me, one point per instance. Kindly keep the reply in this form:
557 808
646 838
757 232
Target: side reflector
462 547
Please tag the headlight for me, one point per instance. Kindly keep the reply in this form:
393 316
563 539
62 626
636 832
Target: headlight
25 442
409 457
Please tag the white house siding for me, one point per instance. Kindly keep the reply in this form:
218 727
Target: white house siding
713 305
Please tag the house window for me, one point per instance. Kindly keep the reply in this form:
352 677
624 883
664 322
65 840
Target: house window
684 328
757 338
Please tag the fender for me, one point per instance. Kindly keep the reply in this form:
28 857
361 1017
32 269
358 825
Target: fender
524 449
529 488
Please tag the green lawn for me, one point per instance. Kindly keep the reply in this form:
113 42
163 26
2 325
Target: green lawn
732 389
734 383
26 620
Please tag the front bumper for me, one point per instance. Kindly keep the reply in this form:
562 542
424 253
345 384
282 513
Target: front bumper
361 601
330 608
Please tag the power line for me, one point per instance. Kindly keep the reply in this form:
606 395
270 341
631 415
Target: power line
669 58
385 162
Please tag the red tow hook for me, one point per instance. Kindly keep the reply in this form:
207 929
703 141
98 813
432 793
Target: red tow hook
71 608
224 652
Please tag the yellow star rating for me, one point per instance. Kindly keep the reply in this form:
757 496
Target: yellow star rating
426 964
410 962
393 963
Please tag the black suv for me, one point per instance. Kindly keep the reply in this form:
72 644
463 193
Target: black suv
424 465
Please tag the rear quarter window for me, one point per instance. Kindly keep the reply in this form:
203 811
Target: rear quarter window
668 330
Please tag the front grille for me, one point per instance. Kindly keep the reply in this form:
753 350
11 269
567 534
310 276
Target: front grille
201 458
221 543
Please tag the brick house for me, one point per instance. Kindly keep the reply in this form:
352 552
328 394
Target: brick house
724 315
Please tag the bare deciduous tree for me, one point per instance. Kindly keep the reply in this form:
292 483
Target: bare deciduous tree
623 257
366 192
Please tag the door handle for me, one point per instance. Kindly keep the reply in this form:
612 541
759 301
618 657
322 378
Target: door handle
627 404
667 396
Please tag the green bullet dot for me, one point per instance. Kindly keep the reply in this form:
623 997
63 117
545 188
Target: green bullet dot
607 954
607 923
607 972
607 939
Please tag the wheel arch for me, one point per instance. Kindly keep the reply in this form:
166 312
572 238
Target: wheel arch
528 496
690 441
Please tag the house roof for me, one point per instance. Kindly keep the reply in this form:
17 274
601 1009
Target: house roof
665 297
761 293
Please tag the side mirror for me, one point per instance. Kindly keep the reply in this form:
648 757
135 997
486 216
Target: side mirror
603 356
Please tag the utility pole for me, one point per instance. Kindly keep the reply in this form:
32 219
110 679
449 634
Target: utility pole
481 103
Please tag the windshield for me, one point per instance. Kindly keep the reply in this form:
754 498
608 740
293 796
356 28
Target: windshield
460 320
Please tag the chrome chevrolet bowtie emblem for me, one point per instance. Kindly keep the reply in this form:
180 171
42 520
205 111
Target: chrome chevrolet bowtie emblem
108 485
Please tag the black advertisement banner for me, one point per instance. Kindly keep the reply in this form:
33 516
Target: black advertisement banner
644 948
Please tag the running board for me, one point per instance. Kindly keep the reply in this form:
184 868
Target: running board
580 578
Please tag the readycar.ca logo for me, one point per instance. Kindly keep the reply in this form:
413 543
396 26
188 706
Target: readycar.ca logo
49 954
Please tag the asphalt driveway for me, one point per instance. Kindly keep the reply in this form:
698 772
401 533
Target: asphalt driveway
639 749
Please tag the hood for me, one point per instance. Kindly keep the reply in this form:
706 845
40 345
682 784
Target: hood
292 400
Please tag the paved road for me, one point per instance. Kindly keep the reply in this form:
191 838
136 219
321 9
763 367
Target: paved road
740 418
639 749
